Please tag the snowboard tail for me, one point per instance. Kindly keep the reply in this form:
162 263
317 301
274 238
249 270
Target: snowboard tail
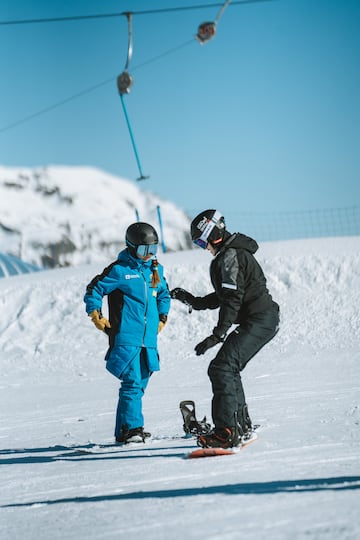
212 452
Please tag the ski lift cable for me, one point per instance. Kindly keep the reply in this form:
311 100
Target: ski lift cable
107 81
56 105
162 55
90 89
110 15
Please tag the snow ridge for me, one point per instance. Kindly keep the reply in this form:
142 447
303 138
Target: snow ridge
67 216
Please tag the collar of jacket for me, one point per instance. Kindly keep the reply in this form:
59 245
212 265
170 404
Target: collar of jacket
134 260
226 244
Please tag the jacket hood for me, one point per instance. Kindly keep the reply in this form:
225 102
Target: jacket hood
238 240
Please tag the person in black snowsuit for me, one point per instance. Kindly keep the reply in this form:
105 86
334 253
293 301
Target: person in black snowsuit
243 299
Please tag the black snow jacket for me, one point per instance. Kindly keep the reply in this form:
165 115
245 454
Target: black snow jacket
239 283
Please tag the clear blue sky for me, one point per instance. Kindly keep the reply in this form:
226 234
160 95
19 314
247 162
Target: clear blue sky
265 117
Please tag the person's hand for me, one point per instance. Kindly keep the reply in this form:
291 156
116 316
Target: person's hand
182 295
206 344
161 326
100 322
162 322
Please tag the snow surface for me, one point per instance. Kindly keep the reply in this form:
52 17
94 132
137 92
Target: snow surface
300 480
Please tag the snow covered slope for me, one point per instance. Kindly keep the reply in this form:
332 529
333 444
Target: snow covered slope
300 480
75 215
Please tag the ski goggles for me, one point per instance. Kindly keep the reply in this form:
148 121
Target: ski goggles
143 250
200 242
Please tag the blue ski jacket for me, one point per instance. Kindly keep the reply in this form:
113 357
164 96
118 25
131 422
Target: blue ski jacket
134 309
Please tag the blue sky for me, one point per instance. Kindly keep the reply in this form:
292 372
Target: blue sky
263 118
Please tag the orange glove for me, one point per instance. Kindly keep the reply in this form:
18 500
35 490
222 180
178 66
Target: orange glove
161 326
100 322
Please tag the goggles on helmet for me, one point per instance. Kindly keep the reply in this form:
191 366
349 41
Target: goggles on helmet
200 242
145 249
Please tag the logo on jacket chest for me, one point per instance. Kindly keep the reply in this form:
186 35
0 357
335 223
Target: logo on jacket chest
132 276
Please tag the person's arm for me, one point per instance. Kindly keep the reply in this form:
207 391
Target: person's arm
98 287
163 301
232 292
230 300
210 301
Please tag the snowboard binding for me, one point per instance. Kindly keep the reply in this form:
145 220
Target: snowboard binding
191 425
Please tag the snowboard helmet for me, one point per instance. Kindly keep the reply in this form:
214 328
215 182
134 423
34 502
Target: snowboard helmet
141 239
208 227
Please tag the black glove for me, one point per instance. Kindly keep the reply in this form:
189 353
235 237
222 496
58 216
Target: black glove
208 342
184 296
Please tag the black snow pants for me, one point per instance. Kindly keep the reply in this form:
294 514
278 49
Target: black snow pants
241 345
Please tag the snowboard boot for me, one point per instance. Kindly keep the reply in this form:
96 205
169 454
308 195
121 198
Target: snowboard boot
135 435
219 438
246 430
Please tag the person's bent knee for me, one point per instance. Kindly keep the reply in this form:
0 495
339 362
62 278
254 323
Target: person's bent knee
217 370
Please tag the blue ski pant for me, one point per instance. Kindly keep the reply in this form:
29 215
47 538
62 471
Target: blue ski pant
134 381
242 344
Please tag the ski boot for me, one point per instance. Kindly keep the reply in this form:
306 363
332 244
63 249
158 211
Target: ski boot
135 435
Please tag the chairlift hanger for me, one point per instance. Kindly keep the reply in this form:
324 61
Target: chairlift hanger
124 83
207 30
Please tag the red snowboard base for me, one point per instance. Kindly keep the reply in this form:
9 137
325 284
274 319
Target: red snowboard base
211 452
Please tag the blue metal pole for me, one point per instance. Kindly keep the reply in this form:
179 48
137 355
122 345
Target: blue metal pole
161 229
142 177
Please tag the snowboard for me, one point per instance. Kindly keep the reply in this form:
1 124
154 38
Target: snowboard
212 452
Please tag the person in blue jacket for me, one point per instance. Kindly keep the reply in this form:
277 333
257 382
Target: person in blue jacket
138 306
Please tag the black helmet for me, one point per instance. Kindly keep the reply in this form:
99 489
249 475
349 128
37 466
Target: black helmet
208 227
141 239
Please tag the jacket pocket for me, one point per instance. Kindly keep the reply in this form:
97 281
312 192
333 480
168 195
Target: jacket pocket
152 359
118 359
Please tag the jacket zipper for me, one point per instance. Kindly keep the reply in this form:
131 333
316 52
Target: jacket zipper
146 307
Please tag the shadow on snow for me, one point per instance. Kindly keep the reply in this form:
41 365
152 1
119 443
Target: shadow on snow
255 488
87 452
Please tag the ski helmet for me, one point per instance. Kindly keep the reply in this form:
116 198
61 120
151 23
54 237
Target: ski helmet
141 239
208 227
